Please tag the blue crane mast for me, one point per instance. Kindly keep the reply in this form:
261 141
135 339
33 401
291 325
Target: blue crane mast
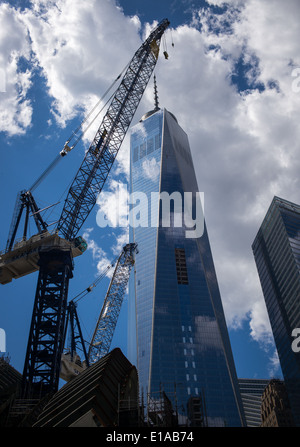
105 327
55 255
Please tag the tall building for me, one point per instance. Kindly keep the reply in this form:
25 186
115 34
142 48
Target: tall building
178 336
251 392
276 250
275 407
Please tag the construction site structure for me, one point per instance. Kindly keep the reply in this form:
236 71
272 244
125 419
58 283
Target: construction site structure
160 411
105 327
92 398
54 259
99 346
21 256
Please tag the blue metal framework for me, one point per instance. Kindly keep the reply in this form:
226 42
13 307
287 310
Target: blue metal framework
45 343
93 172
103 334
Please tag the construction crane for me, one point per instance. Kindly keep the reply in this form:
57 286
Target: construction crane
105 327
52 253
102 337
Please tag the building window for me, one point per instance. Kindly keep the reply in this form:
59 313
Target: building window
181 268
135 154
142 150
150 146
157 141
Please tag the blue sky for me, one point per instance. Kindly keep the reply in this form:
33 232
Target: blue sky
231 81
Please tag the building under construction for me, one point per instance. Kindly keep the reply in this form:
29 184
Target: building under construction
92 399
104 395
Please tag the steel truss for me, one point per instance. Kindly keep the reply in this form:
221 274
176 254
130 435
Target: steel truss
25 201
75 333
45 343
92 174
103 334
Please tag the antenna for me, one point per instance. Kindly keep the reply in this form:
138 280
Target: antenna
155 95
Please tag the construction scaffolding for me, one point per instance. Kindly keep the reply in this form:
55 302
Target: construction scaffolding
160 412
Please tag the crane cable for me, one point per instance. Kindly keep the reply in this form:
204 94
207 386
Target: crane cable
95 283
67 148
93 109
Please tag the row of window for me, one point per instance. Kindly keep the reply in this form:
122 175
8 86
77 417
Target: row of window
194 376
181 268
146 148
189 391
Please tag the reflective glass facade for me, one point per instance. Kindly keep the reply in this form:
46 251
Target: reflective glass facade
276 251
178 336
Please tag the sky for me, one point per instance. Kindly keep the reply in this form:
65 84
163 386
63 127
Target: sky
232 80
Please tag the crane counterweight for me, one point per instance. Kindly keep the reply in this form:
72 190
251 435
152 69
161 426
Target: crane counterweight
25 255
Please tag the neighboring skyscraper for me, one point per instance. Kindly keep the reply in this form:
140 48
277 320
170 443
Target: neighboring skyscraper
251 392
275 407
276 251
175 308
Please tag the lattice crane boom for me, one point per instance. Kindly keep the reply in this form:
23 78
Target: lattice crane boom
105 327
93 172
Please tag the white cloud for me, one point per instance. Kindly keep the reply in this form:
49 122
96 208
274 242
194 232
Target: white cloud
121 240
67 40
15 108
98 254
245 146
151 169
79 52
122 162
259 324
139 130
113 205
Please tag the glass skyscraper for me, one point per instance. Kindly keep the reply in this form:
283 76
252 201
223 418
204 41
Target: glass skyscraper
276 250
178 336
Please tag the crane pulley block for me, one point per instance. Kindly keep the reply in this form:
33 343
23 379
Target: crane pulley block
65 150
